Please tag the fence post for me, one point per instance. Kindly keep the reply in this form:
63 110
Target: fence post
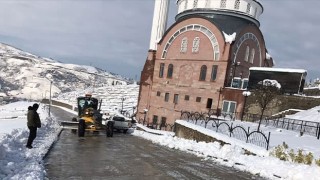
318 131
230 130
268 141
248 135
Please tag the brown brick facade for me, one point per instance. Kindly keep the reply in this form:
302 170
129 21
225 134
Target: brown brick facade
185 90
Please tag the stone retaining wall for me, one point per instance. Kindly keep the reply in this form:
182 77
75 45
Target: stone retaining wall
188 133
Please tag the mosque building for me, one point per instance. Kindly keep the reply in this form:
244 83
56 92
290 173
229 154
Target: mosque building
202 61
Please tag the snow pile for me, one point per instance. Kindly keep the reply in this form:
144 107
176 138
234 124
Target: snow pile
16 161
233 156
270 82
312 114
277 69
268 56
229 38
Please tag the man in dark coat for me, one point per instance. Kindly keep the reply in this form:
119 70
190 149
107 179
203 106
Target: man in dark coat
33 123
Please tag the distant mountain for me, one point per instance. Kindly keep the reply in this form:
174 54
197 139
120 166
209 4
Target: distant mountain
24 75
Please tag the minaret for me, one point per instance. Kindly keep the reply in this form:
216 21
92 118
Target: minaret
159 23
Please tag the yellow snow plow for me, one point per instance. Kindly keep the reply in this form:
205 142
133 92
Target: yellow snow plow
89 118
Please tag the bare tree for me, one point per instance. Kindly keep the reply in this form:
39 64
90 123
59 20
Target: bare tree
264 94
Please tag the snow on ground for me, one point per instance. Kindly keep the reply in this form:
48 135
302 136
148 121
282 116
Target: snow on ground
233 156
17 162
312 114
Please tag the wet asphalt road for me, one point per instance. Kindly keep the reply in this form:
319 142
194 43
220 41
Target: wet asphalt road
126 157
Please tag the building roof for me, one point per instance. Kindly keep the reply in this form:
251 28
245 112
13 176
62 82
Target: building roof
278 69
249 10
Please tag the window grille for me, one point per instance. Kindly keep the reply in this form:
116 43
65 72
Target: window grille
223 3
252 56
237 4
195 3
248 8
184 45
246 58
196 44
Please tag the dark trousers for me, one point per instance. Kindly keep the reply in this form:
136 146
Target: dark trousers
32 135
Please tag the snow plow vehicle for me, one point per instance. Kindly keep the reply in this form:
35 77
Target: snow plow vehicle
89 118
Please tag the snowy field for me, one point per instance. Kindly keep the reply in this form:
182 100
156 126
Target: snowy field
18 162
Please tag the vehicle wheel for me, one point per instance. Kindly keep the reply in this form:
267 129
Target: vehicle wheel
109 129
74 131
81 128
125 131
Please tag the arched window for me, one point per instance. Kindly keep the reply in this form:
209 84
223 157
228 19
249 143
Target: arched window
170 71
196 44
161 70
246 57
223 3
203 73
184 45
214 72
248 8
252 56
237 4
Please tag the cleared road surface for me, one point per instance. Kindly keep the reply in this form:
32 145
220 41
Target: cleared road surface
127 157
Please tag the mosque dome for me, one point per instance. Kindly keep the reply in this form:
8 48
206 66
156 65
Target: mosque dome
249 10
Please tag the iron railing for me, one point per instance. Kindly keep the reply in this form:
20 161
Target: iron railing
157 126
227 127
304 127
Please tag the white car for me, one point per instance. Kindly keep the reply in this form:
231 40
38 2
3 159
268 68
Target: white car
122 123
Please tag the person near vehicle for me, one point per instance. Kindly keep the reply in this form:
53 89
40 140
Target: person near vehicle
33 123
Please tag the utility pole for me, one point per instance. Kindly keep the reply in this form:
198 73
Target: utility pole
50 100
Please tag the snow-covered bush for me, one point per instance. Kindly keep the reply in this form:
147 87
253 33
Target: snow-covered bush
283 153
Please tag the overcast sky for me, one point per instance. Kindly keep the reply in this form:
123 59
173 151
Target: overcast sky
114 34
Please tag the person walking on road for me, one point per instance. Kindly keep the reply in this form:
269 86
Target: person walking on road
33 123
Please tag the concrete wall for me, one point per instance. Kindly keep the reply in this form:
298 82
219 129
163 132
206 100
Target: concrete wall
282 103
187 133
57 103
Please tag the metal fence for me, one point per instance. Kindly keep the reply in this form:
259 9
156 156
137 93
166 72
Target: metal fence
157 126
227 127
304 127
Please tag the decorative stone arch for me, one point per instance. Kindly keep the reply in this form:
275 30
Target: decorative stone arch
194 27
245 37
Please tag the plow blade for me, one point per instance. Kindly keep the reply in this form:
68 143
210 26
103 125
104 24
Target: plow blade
69 124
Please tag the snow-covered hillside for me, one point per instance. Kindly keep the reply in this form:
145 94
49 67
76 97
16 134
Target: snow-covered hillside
113 97
24 75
